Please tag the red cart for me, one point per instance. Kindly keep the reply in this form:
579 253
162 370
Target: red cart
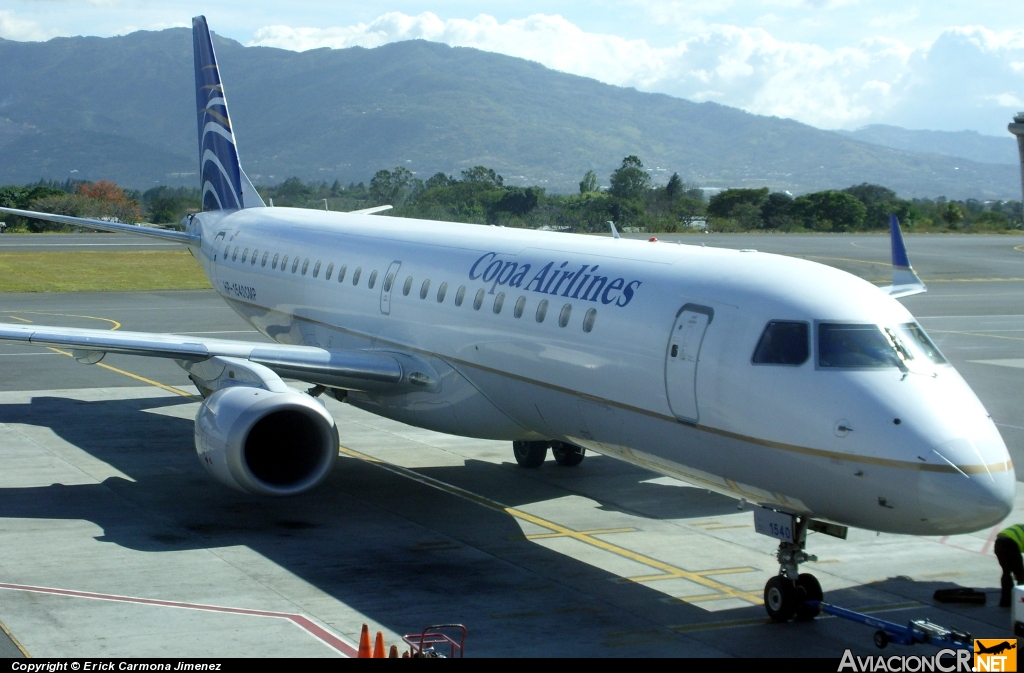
436 640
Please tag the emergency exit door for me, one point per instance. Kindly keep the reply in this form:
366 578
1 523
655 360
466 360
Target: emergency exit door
683 358
390 278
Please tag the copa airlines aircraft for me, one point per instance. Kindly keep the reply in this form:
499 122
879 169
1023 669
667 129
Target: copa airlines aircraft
808 392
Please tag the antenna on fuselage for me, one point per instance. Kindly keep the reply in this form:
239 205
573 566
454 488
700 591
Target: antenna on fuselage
615 232
325 205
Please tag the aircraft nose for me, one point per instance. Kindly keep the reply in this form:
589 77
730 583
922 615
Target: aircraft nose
972 488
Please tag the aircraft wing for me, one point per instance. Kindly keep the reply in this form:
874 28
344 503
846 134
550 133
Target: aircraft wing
103 225
904 279
352 369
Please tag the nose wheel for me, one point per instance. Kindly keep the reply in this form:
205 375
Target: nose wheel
790 594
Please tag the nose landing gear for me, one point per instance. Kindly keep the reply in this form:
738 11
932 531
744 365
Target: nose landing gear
786 595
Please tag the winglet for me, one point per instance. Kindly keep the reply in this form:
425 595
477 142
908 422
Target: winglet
904 280
615 232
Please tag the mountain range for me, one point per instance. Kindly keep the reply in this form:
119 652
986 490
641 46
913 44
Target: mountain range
122 108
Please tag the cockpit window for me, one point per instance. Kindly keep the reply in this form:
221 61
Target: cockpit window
846 345
919 342
782 343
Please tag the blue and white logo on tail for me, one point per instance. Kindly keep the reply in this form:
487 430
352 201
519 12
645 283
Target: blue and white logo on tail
224 184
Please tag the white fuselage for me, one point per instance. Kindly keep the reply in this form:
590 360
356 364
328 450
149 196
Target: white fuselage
663 378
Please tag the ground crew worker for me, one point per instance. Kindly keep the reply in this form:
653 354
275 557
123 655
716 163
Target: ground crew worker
1008 548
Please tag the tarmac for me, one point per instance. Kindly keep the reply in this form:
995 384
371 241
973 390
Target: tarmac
116 543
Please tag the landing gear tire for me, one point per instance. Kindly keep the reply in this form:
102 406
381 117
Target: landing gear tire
809 586
530 455
780 598
567 455
881 639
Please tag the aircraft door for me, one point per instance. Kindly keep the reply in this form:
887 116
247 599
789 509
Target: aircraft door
389 283
682 358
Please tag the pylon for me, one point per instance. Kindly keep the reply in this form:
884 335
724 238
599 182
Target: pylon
378 646
364 644
393 654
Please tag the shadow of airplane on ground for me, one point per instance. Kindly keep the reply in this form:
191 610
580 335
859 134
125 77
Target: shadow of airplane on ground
406 555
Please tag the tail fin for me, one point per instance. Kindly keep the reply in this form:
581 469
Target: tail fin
224 184
904 279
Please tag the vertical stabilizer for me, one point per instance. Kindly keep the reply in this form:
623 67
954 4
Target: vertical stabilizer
224 185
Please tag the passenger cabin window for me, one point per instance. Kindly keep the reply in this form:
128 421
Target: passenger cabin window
460 295
441 292
264 261
245 253
273 265
407 288
295 264
373 279
542 310
341 273
284 264
254 254
424 289
860 346
499 301
234 255
564 314
588 320
478 300
316 269
330 270
355 275
305 266
389 281
520 305
783 342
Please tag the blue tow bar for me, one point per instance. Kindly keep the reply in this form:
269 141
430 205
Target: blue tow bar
915 631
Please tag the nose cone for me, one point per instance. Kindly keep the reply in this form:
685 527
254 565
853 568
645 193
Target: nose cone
974 489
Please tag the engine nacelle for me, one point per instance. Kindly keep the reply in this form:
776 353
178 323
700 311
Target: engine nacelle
266 443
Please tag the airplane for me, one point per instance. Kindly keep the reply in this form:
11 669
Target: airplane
800 389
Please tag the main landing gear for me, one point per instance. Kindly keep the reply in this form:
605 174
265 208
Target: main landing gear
786 595
532 454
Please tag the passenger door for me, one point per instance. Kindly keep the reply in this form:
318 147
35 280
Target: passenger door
682 359
389 284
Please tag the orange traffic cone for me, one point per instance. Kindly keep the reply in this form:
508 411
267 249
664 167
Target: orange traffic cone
378 646
364 644
393 654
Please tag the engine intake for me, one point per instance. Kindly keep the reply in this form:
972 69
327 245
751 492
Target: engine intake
266 443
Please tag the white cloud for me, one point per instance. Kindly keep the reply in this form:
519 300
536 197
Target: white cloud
958 81
13 28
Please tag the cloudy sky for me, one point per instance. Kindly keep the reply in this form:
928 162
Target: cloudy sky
832 63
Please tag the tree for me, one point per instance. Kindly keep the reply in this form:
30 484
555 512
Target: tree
630 180
518 201
777 211
674 188
392 187
483 176
439 180
830 211
724 203
589 183
952 215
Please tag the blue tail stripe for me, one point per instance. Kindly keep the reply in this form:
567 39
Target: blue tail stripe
899 250
219 170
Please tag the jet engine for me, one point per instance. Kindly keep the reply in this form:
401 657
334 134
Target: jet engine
266 442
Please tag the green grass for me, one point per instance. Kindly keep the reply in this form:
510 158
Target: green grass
100 271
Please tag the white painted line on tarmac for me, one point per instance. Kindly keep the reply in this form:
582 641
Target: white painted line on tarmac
1016 363
333 641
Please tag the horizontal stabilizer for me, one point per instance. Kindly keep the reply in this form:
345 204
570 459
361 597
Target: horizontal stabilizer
904 279
103 225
